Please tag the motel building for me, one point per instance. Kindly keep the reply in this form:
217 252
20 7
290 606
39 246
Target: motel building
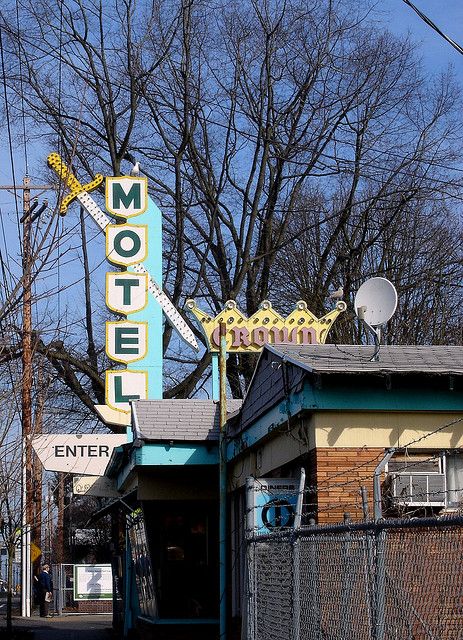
333 420
328 409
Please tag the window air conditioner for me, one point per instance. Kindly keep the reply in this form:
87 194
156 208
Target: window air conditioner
419 489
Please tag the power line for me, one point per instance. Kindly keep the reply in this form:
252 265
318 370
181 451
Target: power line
60 81
429 22
10 143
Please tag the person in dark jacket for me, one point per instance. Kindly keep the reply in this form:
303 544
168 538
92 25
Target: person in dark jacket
45 591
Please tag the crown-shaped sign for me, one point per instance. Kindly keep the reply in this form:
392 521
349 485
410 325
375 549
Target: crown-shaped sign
266 326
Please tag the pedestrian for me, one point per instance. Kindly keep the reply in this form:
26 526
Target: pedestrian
45 590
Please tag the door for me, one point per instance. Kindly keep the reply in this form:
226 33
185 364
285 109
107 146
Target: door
183 539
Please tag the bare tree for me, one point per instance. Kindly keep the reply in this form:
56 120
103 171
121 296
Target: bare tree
269 131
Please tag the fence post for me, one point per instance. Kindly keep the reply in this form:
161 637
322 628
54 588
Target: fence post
380 582
314 582
296 549
346 595
252 600
247 611
57 573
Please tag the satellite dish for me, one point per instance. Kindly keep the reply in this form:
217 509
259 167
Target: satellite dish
376 301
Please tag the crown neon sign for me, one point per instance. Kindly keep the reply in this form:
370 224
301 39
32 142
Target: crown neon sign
266 326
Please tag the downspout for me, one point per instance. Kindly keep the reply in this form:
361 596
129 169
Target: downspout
378 511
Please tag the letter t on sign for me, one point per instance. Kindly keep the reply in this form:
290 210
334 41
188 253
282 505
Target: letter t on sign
126 292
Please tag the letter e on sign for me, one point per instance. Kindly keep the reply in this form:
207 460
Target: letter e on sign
126 244
126 341
126 196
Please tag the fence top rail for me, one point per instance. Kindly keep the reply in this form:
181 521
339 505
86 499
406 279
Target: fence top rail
373 526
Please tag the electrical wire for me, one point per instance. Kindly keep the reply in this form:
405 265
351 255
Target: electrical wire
59 145
430 23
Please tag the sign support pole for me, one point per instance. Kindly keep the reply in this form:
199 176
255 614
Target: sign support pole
223 484
215 376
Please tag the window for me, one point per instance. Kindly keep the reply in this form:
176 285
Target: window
454 475
418 480
141 563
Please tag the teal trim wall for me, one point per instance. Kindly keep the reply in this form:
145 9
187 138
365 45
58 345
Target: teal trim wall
178 454
351 398
163 454
335 398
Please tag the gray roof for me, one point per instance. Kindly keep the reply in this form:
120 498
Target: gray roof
184 420
330 358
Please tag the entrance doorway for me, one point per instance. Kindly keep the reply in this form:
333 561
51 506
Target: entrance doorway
183 539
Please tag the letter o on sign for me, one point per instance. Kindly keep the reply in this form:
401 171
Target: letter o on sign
278 513
127 243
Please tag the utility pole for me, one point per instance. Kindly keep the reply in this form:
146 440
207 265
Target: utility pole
26 405
27 509
49 528
37 500
59 550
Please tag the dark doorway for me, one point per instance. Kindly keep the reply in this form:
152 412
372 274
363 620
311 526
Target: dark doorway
183 539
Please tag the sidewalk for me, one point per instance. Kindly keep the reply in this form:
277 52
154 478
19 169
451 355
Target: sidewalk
70 627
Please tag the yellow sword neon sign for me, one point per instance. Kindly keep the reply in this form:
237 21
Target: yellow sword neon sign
80 192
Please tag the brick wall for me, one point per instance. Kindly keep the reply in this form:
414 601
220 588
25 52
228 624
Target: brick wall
94 606
340 472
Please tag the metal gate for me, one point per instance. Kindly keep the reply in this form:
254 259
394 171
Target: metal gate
63 587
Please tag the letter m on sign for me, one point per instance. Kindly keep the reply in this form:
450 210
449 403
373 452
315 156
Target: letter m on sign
126 196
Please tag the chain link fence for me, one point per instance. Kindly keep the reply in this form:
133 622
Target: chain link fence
392 580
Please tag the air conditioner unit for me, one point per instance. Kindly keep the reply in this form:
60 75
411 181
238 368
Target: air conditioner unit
419 489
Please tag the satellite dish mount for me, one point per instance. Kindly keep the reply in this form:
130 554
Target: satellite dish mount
375 304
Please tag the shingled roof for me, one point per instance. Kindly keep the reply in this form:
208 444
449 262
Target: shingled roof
330 358
179 420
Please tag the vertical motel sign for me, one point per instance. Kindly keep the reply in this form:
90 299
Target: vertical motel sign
134 292
137 340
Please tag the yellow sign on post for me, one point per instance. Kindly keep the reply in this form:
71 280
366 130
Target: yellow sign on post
36 552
